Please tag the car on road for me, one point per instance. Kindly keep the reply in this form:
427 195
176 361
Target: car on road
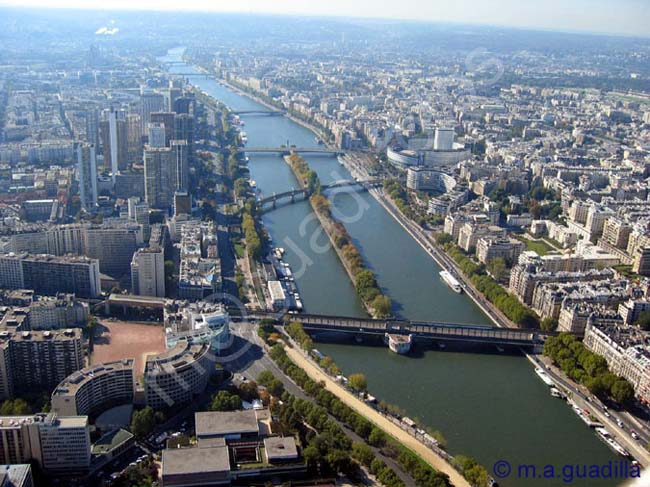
620 423
634 435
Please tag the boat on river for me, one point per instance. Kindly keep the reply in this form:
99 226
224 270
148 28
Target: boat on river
451 281
604 435
544 376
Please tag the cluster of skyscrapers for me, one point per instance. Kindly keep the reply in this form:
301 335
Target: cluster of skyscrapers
153 143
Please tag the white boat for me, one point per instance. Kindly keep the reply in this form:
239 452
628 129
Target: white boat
542 375
400 344
604 435
451 281
557 393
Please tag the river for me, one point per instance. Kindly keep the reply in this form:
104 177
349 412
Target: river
490 406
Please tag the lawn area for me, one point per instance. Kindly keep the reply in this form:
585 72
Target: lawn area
239 250
539 246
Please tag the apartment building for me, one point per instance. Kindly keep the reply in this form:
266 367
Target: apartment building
50 275
32 361
95 389
178 375
59 445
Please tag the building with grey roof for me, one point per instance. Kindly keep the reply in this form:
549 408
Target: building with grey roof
196 466
229 425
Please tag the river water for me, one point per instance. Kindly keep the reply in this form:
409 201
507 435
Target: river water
490 406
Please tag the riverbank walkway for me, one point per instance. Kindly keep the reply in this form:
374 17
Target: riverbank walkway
316 374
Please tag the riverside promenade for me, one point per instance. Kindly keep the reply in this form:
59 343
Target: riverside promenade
316 374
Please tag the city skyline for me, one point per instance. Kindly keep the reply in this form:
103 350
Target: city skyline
310 242
628 17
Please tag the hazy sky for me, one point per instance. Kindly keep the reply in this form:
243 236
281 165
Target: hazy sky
615 16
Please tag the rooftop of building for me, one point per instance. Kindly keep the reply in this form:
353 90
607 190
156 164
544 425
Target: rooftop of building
74 381
46 419
218 423
183 354
110 441
68 334
195 460
280 448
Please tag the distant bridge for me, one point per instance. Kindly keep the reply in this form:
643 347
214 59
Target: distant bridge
195 75
303 193
285 151
269 112
424 330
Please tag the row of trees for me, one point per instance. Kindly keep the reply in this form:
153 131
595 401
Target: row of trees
306 175
327 450
423 474
300 336
506 302
587 368
365 282
399 196
253 239
493 291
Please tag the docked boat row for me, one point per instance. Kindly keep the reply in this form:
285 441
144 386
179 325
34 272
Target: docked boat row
283 289
583 414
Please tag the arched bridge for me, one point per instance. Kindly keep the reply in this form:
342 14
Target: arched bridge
303 193
285 151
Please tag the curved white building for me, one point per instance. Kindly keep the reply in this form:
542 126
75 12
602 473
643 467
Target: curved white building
402 158
176 376
427 179
94 389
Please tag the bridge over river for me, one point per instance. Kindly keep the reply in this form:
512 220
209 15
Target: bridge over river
287 150
530 339
291 195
